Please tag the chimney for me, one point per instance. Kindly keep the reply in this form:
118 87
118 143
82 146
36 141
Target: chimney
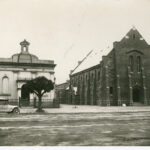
71 71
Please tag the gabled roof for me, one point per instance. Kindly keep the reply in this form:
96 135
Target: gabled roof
133 36
93 59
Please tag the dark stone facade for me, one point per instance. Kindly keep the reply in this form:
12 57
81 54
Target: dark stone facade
122 77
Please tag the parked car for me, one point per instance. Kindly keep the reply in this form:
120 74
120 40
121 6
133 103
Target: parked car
6 108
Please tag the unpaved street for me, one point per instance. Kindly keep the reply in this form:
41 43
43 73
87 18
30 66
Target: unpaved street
75 129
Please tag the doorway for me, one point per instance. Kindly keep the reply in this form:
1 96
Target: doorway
25 96
137 94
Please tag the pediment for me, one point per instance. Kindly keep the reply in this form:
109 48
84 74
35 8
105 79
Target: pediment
137 51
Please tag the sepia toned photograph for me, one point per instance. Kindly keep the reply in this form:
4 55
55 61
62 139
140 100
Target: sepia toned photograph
74 73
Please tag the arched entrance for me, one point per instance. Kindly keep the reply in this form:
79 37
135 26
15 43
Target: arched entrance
25 96
137 95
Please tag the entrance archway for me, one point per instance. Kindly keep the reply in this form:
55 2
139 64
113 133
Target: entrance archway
137 94
25 96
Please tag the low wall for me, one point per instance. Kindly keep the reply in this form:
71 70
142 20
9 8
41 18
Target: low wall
46 103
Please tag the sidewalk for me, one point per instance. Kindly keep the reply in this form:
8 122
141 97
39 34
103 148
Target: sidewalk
87 109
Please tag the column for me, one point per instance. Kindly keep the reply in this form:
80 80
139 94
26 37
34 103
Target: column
91 93
19 93
70 94
107 87
100 88
19 97
130 91
99 93
73 99
118 90
144 88
81 98
85 96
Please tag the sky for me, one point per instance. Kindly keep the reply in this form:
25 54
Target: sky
67 30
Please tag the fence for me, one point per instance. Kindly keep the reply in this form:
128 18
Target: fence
46 103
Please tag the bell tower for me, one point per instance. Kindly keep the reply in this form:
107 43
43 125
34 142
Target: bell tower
24 46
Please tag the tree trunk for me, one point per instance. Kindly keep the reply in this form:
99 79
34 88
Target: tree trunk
40 104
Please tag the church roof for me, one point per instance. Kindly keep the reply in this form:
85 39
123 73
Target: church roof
133 37
24 57
24 43
93 59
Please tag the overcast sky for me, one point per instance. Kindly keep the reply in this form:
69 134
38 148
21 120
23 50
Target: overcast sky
66 30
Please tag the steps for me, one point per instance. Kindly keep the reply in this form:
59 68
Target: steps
138 104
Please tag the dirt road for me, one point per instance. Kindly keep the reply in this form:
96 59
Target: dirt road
111 129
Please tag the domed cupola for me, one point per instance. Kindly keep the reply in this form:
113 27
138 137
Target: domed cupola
24 56
24 46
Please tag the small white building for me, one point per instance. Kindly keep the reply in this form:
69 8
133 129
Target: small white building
21 67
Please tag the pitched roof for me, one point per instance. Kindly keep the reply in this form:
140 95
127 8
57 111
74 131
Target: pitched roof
134 37
93 59
96 56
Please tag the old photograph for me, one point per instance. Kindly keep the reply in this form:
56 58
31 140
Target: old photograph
74 73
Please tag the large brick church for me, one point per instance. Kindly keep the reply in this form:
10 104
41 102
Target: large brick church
121 77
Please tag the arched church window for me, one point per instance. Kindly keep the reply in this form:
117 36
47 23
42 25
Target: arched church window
86 77
138 63
131 62
98 75
92 76
5 85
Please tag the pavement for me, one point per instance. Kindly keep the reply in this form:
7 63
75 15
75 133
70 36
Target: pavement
87 109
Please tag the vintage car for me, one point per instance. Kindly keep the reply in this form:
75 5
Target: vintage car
6 108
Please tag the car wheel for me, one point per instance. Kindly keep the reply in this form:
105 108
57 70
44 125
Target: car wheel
16 111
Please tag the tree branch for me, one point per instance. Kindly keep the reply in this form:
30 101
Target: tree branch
35 92
43 93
